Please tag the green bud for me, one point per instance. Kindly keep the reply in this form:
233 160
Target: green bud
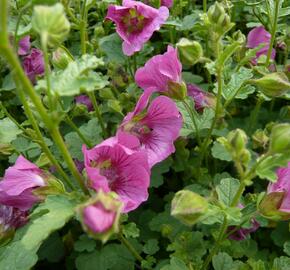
61 58
273 84
177 90
239 36
280 138
190 52
188 207
260 139
99 31
270 204
238 140
51 24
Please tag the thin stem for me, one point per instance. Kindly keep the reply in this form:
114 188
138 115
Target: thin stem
273 31
217 244
216 116
97 111
41 141
239 193
191 112
127 244
204 5
83 25
254 115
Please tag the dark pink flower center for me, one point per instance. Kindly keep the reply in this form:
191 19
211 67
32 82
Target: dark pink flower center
138 129
133 21
106 169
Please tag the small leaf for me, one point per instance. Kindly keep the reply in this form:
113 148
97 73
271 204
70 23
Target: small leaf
131 230
227 190
220 152
222 261
175 264
8 131
85 244
151 246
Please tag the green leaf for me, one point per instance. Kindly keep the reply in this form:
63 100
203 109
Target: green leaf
222 261
78 77
111 257
227 190
220 152
15 256
8 131
57 211
267 168
158 171
281 263
112 46
8 83
287 247
85 244
151 247
235 89
175 264
131 230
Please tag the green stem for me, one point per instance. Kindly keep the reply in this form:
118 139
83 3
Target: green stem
204 5
217 244
273 31
127 244
192 114
239 193
98 112
254 115
216 116
41 141
83 25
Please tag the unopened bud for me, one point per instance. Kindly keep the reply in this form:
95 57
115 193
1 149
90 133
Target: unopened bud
51 24
273 84
190 51
177 90
61 58
188 207
280 138
239 36
238 140
260 139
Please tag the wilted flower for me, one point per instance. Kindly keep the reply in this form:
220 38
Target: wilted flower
85 100
11 218
111 166
19 181
33 64
100 216
242 233
201 98
256 37
24 46
162 73
153 128
136 23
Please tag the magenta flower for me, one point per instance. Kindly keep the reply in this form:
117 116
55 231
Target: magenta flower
153 128
85 100
24 46
256 37
162 73
16 188
111 166
201 98
242 233
11 218
167 3
136 23
282 186
33 64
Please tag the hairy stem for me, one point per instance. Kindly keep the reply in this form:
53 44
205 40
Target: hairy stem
127 244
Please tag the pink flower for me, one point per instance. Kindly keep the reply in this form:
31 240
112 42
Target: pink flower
256 37
282 186
33 64
85 100
16 188
162 73
201 98
152 128
111 166
167 3
24 46
136 23
242 233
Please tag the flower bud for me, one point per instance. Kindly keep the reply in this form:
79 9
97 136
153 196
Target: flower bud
100 216
177 90
239 36
51 24
280 138
260 139
238 140
188 207
190 51
273 84
61 58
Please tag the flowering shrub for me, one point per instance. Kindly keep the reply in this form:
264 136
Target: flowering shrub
144 135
